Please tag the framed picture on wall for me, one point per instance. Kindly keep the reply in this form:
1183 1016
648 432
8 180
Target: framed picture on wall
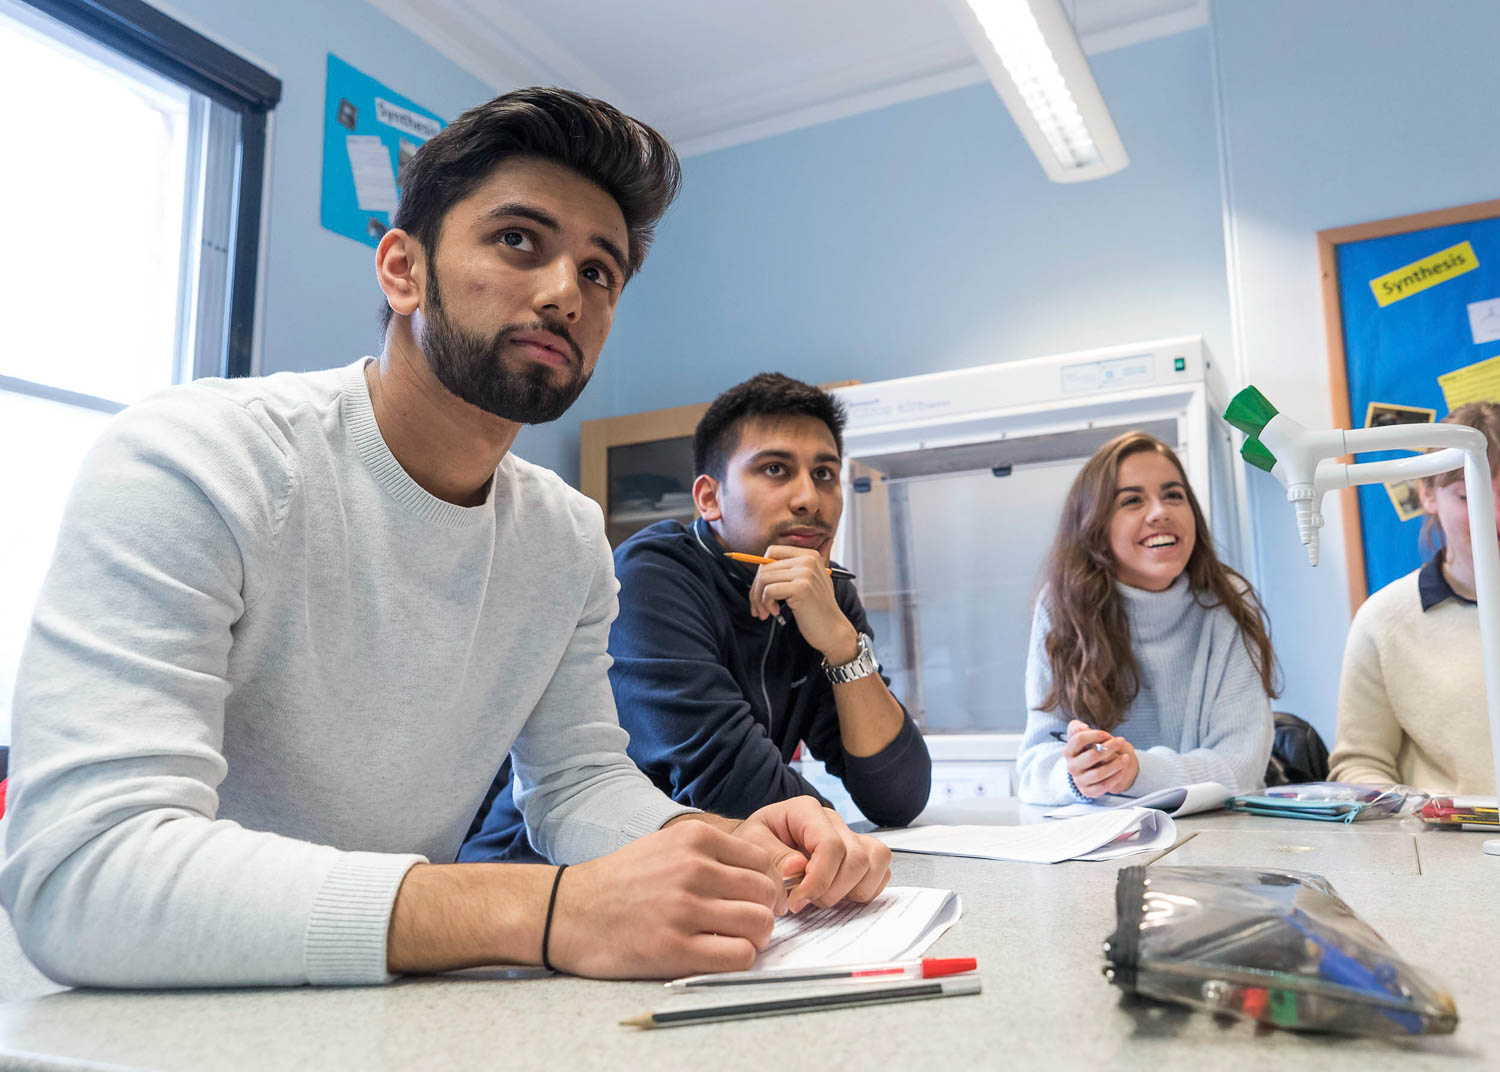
1412 313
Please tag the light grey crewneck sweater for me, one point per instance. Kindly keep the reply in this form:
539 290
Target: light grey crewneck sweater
1201 714
268 672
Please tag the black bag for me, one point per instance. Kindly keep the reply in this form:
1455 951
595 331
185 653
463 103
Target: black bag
1297 753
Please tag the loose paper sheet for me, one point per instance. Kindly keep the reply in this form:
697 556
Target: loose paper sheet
1110 833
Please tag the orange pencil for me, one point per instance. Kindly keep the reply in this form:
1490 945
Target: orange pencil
761 560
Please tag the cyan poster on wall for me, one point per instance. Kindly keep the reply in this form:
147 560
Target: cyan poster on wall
369 131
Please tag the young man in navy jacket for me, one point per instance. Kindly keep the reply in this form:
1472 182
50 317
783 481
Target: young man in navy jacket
722 668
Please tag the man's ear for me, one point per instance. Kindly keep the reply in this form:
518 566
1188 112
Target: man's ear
401 269
706 498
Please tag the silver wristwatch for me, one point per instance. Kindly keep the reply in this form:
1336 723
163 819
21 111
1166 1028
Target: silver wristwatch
862 665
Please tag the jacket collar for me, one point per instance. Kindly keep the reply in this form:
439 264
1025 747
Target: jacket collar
1433 586
708 542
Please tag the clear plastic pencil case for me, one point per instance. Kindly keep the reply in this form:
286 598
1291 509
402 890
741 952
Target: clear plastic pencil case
1278 947
1339 802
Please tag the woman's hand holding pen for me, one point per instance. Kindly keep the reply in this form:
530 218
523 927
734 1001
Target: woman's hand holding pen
1110 768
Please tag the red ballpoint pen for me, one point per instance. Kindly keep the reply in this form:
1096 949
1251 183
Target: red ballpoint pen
927 968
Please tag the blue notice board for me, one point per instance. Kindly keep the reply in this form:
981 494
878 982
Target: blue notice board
369 131
1417 301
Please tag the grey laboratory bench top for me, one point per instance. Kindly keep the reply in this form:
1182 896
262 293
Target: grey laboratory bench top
1036 930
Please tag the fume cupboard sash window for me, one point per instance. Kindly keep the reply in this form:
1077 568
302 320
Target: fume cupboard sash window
949 545
135 153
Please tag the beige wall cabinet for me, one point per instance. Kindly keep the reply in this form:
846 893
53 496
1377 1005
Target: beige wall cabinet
639 468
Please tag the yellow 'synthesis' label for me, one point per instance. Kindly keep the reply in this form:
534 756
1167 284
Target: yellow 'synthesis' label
1417 276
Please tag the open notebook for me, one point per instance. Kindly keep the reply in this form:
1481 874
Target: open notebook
899 924
1179 800
1104 834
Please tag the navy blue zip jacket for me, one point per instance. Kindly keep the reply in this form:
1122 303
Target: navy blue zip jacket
715 700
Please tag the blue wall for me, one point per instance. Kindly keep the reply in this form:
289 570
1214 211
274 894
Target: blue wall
321 302
920 237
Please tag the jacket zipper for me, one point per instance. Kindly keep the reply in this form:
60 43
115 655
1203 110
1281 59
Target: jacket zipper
765 694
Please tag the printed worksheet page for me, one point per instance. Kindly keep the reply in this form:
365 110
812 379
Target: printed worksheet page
899 924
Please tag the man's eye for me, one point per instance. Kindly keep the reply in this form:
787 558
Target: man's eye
595 274
824 473
773 469
518 240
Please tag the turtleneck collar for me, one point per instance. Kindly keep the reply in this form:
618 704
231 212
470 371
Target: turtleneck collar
1156 614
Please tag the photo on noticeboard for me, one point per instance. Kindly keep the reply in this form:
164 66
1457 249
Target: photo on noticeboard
1403 493
1385 414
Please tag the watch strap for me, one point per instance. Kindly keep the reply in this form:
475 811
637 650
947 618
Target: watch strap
862 665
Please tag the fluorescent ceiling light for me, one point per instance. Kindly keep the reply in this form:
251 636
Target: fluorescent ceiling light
1037 66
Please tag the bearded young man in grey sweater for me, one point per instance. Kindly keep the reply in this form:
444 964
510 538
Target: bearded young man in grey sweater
294 625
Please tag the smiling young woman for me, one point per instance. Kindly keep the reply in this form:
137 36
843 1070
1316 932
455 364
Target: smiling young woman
1143 642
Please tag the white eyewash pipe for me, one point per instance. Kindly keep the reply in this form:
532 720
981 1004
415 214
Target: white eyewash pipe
1305 461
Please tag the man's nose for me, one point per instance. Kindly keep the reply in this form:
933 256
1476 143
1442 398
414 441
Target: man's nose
804 494
557 292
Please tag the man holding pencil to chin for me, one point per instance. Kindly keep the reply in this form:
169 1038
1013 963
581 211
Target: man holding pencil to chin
736 640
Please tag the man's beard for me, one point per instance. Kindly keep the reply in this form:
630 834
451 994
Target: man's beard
476 370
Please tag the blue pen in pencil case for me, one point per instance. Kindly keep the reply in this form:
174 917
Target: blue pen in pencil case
1338 802
1278 947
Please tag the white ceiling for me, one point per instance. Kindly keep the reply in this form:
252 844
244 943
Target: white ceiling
714 73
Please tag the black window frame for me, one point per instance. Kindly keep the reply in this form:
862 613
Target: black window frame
141 32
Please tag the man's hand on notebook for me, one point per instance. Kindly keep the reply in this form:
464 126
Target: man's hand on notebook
702 893
803 837
691 897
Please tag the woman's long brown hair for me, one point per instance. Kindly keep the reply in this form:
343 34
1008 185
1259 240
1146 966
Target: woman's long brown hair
1094 672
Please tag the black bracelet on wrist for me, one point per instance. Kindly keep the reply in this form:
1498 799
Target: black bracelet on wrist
547 927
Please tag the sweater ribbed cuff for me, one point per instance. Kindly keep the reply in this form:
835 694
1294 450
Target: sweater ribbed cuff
1061 787
651 819
349 926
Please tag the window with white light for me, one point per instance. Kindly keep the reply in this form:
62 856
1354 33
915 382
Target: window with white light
132 182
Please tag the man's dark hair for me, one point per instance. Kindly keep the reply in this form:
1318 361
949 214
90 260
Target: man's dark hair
769 394
622 156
